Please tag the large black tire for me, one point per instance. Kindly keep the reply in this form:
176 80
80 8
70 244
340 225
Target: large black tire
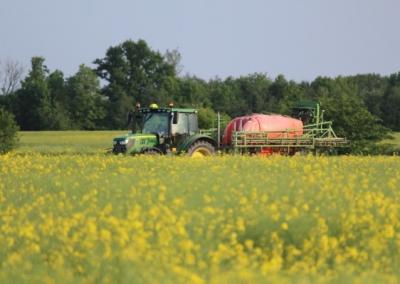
201 148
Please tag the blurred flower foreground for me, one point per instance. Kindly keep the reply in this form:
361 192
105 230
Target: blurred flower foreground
108 219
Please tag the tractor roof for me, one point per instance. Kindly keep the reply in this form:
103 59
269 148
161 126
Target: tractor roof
308 104
185 110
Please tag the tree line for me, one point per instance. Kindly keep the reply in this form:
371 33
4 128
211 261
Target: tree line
362 107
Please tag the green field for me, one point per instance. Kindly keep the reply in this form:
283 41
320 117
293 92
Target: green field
395 141
66 142
70 214
92 142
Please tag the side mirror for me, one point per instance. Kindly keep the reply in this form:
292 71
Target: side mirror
175 117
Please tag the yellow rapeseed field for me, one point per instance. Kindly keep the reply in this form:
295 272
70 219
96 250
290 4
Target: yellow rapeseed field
114 219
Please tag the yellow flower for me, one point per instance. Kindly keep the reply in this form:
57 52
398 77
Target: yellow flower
105 235
388 231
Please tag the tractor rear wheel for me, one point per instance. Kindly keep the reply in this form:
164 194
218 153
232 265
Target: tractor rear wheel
200 149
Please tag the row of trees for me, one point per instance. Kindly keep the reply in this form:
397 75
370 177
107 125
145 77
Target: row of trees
363 107
48 101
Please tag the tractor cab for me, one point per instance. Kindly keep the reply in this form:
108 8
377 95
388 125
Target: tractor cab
159 131
308 112
169 124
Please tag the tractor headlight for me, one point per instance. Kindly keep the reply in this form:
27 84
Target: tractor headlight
124 142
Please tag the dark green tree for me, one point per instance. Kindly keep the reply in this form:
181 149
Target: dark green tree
348 112
276 93
5 101
371 89
134 73
207 118
292 93
8 131
192 92
226 97
86 104
254 90
390 106
59 101
33 103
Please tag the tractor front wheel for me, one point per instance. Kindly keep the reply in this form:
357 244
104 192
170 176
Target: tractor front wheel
151 152
200 149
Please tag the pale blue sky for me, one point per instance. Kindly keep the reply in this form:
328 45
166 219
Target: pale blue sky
298 38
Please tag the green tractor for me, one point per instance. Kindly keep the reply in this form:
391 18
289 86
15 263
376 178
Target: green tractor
164 131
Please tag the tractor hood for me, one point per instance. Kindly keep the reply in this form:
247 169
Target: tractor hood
133 143
129 136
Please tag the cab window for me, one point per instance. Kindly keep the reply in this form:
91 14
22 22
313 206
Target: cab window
182 125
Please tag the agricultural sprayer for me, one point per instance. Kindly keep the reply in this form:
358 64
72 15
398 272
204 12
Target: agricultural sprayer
175 131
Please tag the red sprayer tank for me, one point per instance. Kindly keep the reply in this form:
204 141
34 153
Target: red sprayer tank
283 125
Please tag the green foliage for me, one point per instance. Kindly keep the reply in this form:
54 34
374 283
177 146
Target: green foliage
255 88
8 131
59 101
207 118
134 73
34 105
350 117
192 92
48 101
390 106
371 88
86 105
227 97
